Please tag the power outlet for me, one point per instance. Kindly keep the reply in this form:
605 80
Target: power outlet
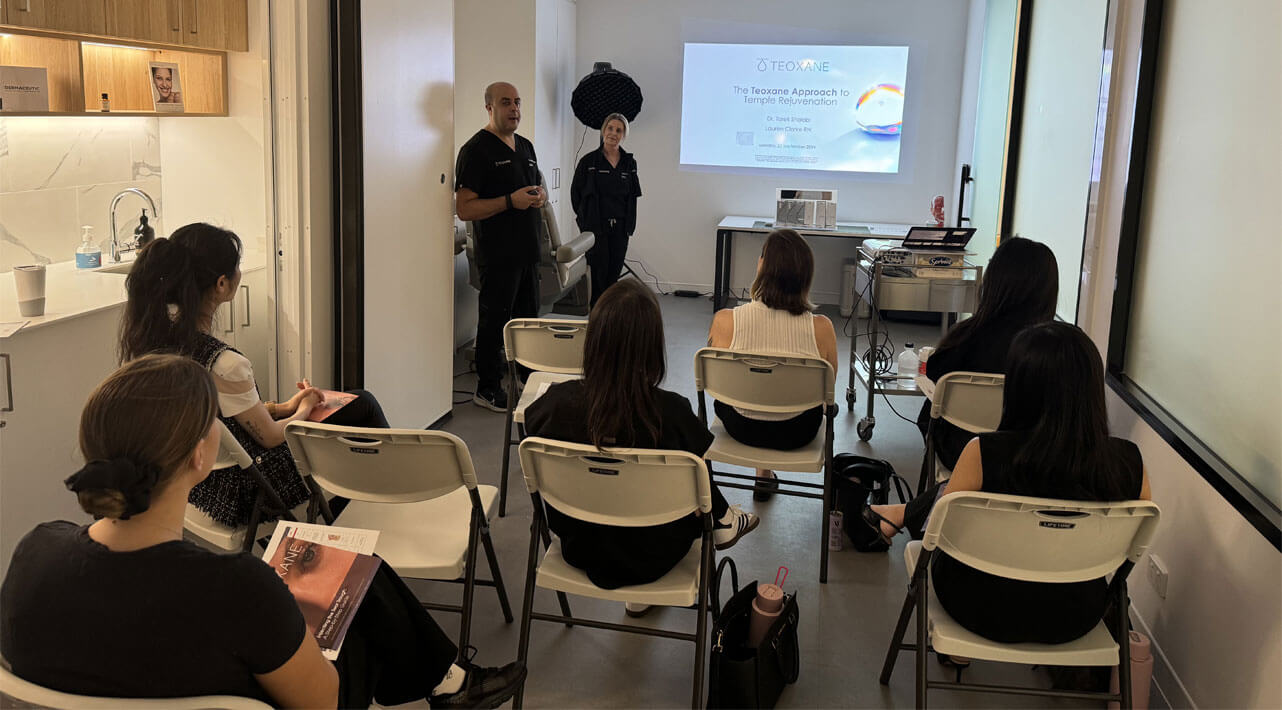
1157 575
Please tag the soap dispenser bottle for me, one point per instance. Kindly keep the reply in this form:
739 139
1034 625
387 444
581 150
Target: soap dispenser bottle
143 233
88 255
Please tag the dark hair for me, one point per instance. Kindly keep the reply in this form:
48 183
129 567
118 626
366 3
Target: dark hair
1054 392
1020 288
623 364
167 288
787 268
138 428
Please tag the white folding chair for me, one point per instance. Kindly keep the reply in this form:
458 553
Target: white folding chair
553 349
30 694
1035 540
419 490
232 539
770 383
971 401
627 488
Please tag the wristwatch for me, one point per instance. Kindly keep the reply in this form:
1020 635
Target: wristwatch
509 200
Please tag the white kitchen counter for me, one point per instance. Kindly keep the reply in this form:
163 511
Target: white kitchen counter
71 292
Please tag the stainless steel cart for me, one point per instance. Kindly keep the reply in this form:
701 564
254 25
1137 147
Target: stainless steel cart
895 287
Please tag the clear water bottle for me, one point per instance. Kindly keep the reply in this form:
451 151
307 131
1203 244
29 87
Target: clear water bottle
907 365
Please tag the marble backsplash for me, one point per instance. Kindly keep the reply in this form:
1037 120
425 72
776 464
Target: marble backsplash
57 174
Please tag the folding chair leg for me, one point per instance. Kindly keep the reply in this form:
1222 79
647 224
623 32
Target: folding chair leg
922 642
927 475
1124 647
527 604
897 640
469 587
701 627
495 573
507 446
255 516
823 526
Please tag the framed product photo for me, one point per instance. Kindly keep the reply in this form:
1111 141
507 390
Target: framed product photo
166 87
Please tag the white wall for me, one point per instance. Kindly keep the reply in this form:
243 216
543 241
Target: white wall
407 121
967 107
679 212
1218 632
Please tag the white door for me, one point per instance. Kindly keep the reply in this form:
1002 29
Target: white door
408 123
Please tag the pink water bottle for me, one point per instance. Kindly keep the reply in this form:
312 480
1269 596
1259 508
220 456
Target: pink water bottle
1141 672
766 607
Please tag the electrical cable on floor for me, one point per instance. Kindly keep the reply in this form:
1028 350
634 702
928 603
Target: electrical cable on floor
653 278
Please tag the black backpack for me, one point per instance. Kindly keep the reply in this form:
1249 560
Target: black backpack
861 481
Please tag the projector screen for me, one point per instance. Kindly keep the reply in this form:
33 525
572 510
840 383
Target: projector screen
800 107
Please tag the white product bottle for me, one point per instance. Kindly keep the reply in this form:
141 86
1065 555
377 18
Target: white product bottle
907 364
88 255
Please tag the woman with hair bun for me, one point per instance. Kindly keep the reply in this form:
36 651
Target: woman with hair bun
125 607
174 289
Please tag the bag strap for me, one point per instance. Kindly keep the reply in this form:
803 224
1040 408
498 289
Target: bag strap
784 630
715 586
901 485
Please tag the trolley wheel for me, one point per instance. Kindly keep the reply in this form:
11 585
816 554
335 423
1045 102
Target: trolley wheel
864 429
850 398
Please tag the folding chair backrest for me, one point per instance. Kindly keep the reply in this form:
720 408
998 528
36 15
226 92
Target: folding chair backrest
39 696
765 383
381 465
625 487
546 344
1040 539
969 400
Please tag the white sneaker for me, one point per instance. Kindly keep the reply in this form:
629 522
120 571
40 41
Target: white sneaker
732 526
635 610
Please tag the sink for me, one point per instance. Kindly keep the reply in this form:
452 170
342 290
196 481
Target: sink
123 267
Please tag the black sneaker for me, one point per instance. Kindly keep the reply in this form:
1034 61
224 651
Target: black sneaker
492 398
483 687
765 488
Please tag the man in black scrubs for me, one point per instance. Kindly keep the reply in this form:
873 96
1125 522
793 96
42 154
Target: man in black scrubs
497 189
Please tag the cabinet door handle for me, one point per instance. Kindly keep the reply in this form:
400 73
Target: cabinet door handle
246 289
26 6
231 317
175 15
8 383
195 17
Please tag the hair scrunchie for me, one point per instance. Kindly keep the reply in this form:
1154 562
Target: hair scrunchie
133 480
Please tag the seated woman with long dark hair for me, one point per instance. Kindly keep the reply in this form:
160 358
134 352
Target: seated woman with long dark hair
174 289
1053 442
779 320
125 608
618 404
1019 289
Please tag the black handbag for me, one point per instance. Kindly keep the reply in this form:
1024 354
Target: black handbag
743 677
860 481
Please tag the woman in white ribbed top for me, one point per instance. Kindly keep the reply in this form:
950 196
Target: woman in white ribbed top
778 321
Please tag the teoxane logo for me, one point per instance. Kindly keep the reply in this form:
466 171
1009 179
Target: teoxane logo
792 65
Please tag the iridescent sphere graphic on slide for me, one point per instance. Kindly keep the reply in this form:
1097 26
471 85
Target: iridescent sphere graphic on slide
880 110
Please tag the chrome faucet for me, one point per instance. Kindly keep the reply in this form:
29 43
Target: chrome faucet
116 247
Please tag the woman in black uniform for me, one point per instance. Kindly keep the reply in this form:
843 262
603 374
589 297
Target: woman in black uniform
604 195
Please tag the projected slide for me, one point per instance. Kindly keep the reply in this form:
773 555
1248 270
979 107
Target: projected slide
793 106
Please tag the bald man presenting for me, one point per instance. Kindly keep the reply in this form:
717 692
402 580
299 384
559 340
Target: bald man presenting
497 189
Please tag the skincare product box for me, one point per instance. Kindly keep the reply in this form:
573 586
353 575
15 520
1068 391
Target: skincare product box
24 89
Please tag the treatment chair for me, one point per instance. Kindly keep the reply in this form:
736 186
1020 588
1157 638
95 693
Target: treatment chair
771 383
553 350
629 488
565 284
418 489
29 694
1031 539
267 504
971 401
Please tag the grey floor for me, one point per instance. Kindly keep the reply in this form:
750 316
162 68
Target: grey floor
845 624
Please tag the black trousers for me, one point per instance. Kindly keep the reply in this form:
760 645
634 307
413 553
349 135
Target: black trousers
508 290
393 652
606 256
787 435
363 411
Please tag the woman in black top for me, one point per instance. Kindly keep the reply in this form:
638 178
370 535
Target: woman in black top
126 608
604 195
175 287
1052 442
618 404
1019 289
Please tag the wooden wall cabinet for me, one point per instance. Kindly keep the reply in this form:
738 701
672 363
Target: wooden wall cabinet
208 24
77 16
